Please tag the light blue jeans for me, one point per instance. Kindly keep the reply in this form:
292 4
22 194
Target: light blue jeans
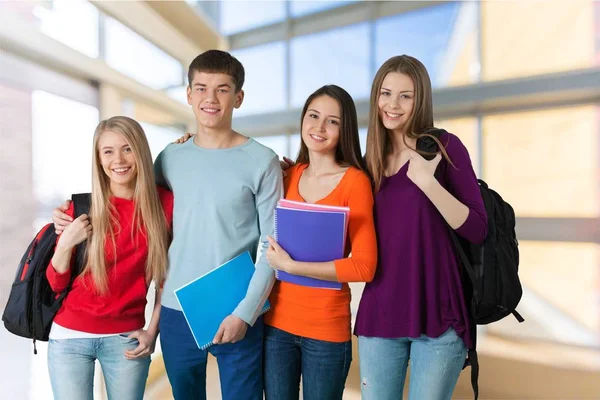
435 364
71 367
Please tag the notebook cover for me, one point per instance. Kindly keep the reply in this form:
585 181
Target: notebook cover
207 300
311 236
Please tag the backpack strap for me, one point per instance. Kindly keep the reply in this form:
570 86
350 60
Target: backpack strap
81 205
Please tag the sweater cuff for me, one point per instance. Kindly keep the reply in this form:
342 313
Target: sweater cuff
343 270
58 282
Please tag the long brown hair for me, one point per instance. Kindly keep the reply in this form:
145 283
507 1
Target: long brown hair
379 144
348 151
148 216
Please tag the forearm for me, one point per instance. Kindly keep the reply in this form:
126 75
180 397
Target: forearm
452 210
153 326
61 261
318 270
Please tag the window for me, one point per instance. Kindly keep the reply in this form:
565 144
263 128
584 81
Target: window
301 8
62 138
545 163
467 131
129 53
536 40
279 144
160 136
264 88
339 56
559 303
72 23
237 16
424 34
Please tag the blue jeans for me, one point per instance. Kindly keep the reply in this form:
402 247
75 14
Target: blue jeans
240 364
435 364
323 365
71 367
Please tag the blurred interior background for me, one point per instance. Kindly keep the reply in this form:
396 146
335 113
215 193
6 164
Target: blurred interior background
518 81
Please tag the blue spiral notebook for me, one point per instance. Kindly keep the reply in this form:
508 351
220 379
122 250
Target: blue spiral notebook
207 300
311 236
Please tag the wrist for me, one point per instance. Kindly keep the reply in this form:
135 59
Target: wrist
62 248
427 184
290 266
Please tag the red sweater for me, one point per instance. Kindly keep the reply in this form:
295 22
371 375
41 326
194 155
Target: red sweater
122 308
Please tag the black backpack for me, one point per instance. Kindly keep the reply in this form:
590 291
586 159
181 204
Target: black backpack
32 304
491 286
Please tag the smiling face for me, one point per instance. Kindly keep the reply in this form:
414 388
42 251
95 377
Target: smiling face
117 160
396 101
321 125
213 98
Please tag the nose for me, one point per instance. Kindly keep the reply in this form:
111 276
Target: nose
394 102
321 125
211 96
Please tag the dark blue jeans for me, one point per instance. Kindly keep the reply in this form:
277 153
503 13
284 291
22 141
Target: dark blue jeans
323 365
240 364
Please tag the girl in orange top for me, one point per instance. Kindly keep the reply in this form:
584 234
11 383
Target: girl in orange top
307 331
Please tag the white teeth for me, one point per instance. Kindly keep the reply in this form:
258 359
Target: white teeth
119 170
210 110
317 137
392 115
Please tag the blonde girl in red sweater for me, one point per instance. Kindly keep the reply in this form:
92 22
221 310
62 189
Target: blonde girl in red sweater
102 317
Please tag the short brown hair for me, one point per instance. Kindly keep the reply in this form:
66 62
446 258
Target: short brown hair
218 62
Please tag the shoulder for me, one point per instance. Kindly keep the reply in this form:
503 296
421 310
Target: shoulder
260 153
453 144
359 179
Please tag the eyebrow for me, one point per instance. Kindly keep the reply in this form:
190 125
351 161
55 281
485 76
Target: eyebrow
110 147
221 85
402 91
332 116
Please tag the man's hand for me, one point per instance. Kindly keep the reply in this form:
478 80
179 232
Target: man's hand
232 329
285 165
60 219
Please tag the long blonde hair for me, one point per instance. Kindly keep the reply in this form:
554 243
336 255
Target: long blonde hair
148 216
379 143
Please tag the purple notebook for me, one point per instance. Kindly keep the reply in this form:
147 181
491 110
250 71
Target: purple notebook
311 236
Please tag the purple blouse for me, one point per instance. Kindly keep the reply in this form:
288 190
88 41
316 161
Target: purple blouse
417 287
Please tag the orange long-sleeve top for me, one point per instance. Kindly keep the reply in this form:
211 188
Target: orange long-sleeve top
324 314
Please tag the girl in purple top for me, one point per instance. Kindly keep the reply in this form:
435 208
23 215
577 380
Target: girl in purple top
415 309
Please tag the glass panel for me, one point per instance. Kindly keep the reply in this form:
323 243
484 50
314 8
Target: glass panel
294 146
558 304
74 23
279 144
264 87
339 56
362 135
560 34
300 8
131 54
545 163
178 93
424 34
237 16
466 130
160 136
62 140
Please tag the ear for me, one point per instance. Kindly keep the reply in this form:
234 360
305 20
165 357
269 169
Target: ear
189 95
239 99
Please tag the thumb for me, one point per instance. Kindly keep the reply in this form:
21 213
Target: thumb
65 206
273 243
219 335
134 335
